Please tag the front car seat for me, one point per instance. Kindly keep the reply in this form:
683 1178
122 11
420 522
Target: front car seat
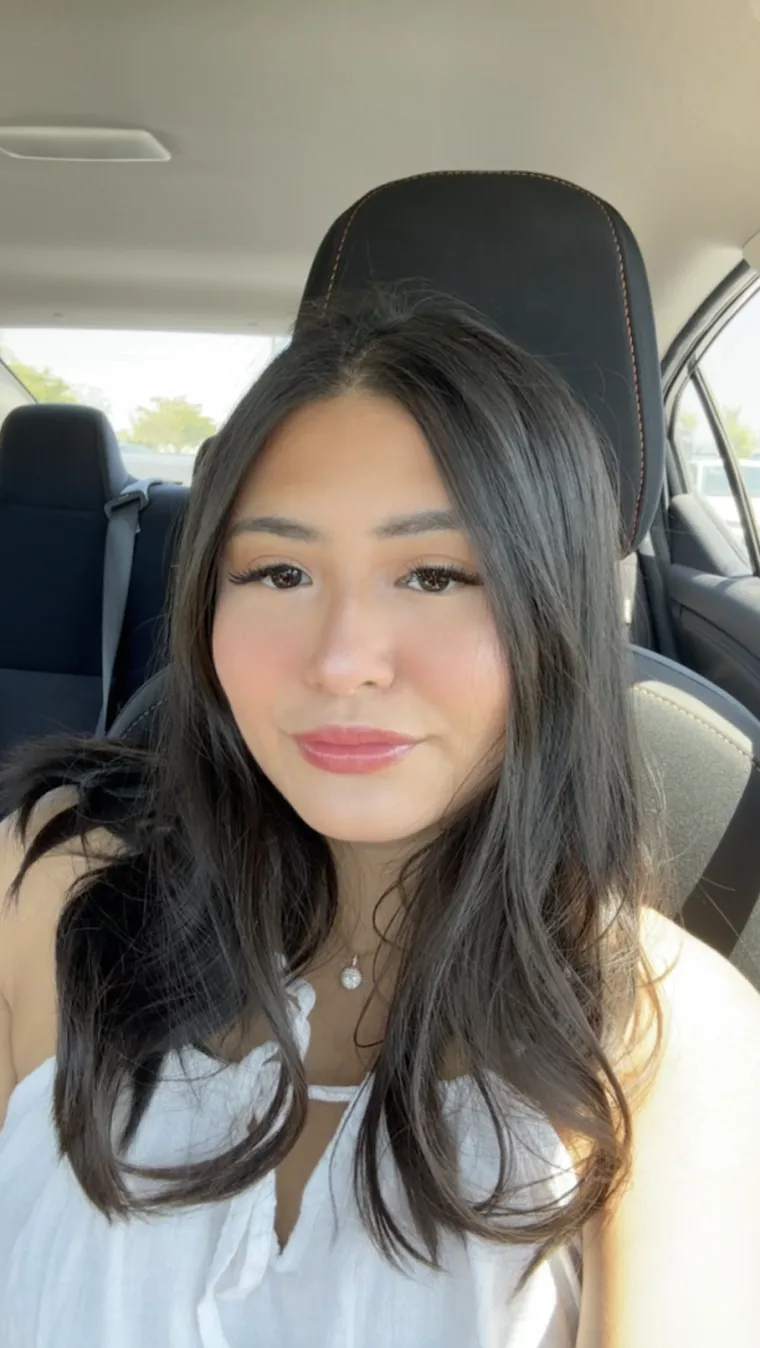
559 271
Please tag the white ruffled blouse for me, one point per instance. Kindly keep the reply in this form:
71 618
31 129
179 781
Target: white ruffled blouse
213 1276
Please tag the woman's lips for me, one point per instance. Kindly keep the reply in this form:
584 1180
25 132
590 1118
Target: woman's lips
353 749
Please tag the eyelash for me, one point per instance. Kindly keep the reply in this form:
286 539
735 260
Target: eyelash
258 573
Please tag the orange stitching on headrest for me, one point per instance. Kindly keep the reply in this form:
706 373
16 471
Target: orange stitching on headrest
546 177
361 202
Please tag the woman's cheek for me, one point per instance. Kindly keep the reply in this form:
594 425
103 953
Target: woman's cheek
250 654
458 666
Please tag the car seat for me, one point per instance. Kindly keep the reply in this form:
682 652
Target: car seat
69 517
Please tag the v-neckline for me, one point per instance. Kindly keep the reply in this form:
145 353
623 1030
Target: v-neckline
312 1192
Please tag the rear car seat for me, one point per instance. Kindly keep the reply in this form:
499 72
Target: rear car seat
59 467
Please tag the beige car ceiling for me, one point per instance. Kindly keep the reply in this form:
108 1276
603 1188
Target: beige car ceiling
279 113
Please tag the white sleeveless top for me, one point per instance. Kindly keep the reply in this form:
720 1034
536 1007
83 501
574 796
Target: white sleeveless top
213 1276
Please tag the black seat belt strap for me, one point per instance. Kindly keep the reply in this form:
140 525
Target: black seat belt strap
123 514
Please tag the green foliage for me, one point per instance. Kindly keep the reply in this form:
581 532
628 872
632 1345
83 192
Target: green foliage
745 439
170 423
686 432
43 385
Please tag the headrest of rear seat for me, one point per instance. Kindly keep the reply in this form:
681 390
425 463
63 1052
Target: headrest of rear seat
557 269
59 457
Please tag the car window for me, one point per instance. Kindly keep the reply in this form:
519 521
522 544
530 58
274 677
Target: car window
698 449
751 475
703 465
694 438
12 393
714 482
164 392
731 368
727 376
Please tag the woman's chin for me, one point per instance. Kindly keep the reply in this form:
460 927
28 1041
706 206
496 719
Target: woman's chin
364 826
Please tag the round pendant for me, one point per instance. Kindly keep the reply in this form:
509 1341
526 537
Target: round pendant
351 977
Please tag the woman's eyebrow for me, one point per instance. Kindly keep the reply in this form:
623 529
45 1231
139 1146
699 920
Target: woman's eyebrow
398 526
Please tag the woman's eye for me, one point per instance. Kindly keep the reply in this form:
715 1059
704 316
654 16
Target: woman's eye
438 579
282 575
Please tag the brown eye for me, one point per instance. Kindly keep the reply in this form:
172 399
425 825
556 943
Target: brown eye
438 579
282 575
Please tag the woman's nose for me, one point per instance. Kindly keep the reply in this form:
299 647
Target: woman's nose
353 647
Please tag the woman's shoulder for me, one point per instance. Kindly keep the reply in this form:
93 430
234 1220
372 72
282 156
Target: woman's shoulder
687 970
691 1004
36 892
57 862
700 990
693 997
28 923
694 1153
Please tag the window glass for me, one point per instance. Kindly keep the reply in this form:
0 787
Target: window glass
731 367
12 393
704 466
714 482
751 475
693 436
164 392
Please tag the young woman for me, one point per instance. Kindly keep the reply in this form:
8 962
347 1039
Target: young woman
343 1013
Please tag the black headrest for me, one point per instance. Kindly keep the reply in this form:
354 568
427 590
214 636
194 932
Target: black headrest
59 457
556 268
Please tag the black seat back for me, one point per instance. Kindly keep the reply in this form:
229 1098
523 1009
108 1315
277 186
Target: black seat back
59 466
555 268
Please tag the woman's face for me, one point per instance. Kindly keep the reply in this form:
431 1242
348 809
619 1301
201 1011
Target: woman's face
353 622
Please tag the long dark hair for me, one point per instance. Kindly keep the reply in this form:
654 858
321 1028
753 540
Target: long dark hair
520 939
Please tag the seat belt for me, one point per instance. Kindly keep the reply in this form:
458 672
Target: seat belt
123 514
654 558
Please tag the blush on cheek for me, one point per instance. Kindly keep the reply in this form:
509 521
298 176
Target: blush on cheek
223 647
251 663
468 676
232 650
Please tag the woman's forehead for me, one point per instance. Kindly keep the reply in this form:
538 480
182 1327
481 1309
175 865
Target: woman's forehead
357 450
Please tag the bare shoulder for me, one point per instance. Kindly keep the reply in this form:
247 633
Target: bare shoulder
709 1017
699 989
28 927
672 1257
25 945
22 921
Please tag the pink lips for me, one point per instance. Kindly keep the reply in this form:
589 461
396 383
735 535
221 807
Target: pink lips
337 748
